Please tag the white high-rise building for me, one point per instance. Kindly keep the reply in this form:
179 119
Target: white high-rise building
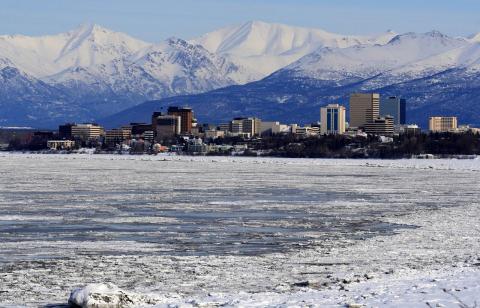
332 118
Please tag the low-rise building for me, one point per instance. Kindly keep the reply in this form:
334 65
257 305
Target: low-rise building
242 127
214 134
307 131
468 129
142 131
273 128
196 146
380 126
60 144
118 135
87 132
407 129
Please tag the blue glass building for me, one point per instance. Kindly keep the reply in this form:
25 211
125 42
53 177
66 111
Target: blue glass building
395 107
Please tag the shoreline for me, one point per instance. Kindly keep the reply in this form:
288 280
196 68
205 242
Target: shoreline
173 154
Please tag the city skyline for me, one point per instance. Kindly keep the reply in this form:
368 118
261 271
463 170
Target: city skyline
157 20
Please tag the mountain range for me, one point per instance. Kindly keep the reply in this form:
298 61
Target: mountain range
273 71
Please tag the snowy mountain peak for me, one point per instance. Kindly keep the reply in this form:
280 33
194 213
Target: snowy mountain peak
266 47
91 63
433 35
92 44
474 38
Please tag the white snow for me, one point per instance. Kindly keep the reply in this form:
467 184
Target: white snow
88 45
405 55
266 47
97 59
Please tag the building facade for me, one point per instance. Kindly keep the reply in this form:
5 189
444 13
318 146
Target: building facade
186 116
251 126
407 129
307 131
395 107
245 127
332 119
142 131
65 131
442 124
118 135
236 126
364 108
382 126
87 132
60 144
167 126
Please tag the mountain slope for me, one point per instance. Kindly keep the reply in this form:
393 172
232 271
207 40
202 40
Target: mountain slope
360 62
297 100
265 47
88 45
436 73
173 67
99 72
92 73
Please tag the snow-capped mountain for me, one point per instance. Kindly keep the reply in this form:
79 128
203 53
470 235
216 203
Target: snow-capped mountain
104 71
92 72
267 47
173 67
437 74
88 45
404 57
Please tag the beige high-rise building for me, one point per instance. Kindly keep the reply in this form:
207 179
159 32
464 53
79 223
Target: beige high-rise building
442 124
332 119
364 108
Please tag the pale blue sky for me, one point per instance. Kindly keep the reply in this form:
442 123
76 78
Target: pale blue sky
154 20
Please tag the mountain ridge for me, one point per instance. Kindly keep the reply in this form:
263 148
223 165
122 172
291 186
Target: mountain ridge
93 73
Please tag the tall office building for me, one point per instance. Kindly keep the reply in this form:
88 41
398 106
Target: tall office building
332 119
167 126
442 124
65 131
364 108
186 115
155 115
395 107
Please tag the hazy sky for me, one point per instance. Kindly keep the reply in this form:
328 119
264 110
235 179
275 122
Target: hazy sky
154 20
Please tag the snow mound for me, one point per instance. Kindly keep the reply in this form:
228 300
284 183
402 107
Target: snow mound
106 295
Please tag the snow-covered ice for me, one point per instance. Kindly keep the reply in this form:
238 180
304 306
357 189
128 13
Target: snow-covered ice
206 231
